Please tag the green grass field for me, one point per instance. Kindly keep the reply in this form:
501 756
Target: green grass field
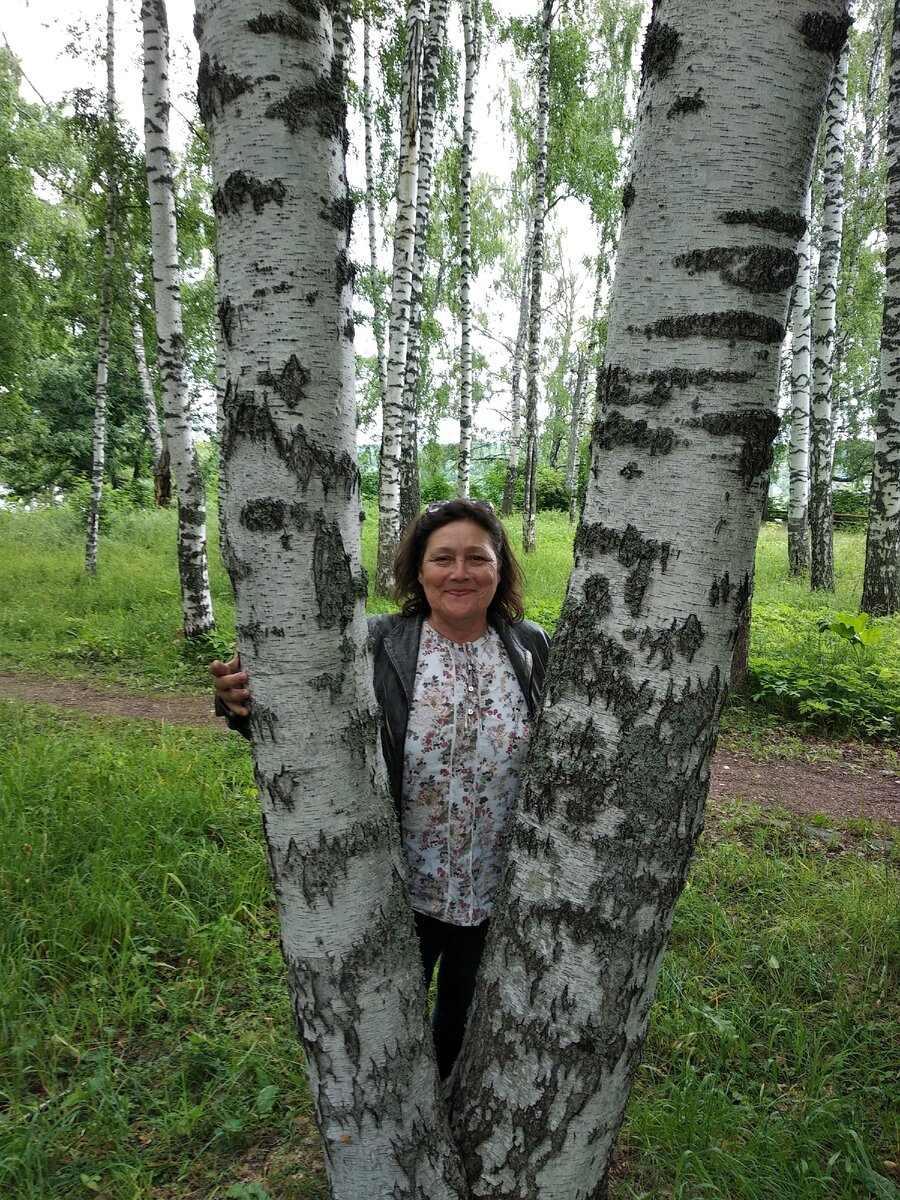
146 1043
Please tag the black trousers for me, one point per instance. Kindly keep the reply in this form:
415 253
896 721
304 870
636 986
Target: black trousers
459 947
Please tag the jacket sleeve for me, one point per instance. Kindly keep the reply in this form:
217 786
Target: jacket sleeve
240 725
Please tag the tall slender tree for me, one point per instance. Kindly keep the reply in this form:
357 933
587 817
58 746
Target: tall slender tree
272 96
92 544
161 461
881 581
515 386
537 273
401 288
612 803
196 599
372 206
798 505
821 436
470 38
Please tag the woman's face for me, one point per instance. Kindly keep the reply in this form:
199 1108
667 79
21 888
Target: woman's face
459 575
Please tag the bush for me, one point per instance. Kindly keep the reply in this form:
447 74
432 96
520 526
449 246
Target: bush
847 500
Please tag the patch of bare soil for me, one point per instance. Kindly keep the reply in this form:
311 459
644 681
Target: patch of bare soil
860 781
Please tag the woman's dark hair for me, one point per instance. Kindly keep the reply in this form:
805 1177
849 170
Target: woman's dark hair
408 592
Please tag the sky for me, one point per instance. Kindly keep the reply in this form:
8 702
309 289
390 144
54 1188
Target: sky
59 43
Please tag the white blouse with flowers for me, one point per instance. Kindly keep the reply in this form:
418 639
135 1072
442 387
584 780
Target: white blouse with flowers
464 755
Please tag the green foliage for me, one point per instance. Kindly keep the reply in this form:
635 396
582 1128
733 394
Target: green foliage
853 628
550 490
848 500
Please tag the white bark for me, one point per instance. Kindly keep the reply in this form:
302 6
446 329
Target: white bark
371 207
196 600
537 273
515 415
821 434
404 242
618 769
147 393
470 35
881 582
576 417
272 95
798 528
92 541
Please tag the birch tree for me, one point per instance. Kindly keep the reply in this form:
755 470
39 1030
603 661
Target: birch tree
798 503
161 461
401 287
612 803
92 542
196 600
372 208
271 91
537 271
821 436
515 386
881 581
470 35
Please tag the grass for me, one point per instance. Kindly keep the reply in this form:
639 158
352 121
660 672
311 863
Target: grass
146 1044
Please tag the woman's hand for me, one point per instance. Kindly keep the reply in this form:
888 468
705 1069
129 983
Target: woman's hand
231 686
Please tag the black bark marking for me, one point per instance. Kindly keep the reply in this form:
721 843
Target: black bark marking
633 551
350 329
616 430
345 272
227 314
317 867
776 220
239 188
290 385
265 515
660 50
687 104
720 590
333 579
631 471
244 417
339 213
361 734
322 102
216 87
757 427
292 25
758 269
281 789
628 195
327 682
823 32
733 325
678 377
684 639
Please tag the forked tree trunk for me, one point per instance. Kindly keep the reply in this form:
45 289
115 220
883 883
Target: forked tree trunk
410 496
821 434
92 540
798 502
537 272
881 582
196 600
612 803
162 474
401 288
271 92
470 36
515 414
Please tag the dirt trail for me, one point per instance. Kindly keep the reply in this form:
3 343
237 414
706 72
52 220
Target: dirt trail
863 782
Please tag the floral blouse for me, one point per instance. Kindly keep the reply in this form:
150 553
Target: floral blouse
464 755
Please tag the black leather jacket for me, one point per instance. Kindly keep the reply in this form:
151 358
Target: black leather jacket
394 641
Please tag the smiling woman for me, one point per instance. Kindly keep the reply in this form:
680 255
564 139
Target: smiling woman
459 675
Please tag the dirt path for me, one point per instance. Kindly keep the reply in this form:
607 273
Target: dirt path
863 781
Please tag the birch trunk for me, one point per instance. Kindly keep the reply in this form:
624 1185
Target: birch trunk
272 94
470 34
612 803
92 540
798 525
371 208
196 600
515 416
821 434
410 497
585 365
537 272
162 476
404 243
881 582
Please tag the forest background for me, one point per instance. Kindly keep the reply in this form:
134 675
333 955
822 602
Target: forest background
236 1098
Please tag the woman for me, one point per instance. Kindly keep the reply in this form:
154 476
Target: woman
458 674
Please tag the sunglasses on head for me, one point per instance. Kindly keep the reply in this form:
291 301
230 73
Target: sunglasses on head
437 505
